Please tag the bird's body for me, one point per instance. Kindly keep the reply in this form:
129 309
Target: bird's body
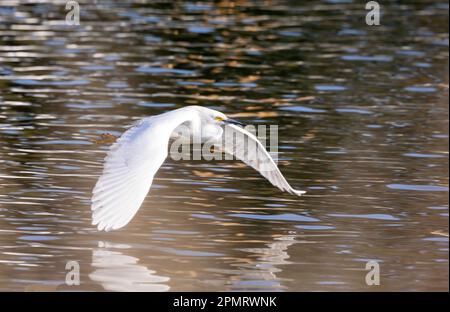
136 156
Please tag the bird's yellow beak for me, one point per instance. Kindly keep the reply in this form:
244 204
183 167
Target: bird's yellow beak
229 121
234 122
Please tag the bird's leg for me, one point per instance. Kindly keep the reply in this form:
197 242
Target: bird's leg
106 138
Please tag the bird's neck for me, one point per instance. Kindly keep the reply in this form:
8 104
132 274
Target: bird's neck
186 114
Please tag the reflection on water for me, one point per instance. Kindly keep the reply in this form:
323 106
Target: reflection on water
363 126
116 271
262 275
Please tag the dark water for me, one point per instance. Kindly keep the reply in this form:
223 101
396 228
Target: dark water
363 126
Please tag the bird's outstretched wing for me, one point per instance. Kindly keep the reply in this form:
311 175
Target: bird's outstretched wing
128 174
246 147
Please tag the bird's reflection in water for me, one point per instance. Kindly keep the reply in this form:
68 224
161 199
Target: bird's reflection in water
116 271
262 275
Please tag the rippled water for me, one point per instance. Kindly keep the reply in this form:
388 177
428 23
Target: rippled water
363 126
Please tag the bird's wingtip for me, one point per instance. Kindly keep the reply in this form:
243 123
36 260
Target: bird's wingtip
104 226
298 193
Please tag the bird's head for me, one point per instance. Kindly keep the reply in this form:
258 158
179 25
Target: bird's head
225 120
215 117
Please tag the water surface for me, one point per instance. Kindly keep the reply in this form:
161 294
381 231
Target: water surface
363 127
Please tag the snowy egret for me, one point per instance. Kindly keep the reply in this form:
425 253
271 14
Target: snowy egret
136 156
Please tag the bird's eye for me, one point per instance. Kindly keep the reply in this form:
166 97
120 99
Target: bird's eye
218 119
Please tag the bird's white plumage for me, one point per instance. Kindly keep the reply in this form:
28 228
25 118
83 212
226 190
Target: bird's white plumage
250 150
127 175
134 159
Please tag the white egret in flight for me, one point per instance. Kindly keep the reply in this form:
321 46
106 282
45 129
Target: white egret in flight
136 156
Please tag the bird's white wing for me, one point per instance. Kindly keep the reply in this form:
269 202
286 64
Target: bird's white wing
128 174
246 147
